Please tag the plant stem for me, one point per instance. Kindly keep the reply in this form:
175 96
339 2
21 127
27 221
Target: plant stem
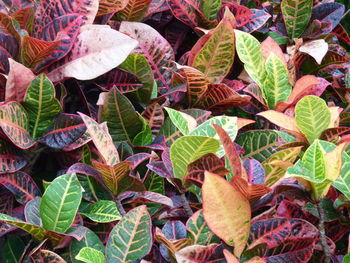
185 204
120 206
323 237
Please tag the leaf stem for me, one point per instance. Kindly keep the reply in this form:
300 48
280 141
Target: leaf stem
186 204
120 206
321 229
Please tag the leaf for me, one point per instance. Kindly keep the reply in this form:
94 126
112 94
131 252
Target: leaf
41 105
135 10
275 172
12 249
35 50
21 185
122 121
255 171
342 183
210 9
144 137
89 240
155 116
102 140
60 203
221 214
259 144
155 48
199 230
37 232
103 211
43 255
209 162
184 122
91 54
111 6
198 253
316 48
187 149
32 211
14 123
276 88
112 175
139 66
10 163
330 13
185 11
91 255
312 117
249 191
18 80
215 56
296 16
64 130
280 119
250 53
131 238
270 46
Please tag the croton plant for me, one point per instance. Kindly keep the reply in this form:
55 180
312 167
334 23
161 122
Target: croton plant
187 131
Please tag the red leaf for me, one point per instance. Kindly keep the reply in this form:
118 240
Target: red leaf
250 191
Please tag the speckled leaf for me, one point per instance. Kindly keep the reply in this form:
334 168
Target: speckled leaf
92 53
343 181
216 55
155 48
103 211
21 185
188 149
102 140
312 116
131 238
41 105
122 120
32 211
184 122
221 214
60 203
210 9
10 163
14 123
296 16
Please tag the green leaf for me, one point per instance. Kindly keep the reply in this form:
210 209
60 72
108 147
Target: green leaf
131 238
296 15
138 65
12 249
184 122
122 120
215 56
249 52
60 203
91 255
276 87
41 105
103 211
37 232
199 231
258 144
312 116
89 240
14 123
273 170
343 181
144 137
187 149
210 9
228 123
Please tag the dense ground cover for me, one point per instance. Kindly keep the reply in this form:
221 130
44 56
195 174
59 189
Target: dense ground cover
174 131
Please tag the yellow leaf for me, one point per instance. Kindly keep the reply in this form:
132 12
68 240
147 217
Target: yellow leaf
226 211
333 160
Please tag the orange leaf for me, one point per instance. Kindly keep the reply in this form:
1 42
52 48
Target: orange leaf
269 46
333 160
229 257
250 191
35 51
242 122
280 119
230 150
226 211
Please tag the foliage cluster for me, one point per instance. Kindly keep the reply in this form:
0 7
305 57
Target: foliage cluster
187 131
